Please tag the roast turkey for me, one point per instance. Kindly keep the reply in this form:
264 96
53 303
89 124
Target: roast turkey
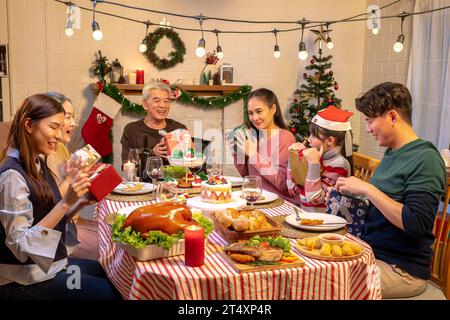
167 217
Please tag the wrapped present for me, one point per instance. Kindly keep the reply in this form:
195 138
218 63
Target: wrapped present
87 154
350 207
179 142
299 166
104 178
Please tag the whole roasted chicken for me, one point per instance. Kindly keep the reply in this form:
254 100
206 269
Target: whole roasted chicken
167 217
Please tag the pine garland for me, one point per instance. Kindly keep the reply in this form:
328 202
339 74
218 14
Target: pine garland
152 40
185 98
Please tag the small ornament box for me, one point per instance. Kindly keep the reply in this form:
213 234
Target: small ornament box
104 178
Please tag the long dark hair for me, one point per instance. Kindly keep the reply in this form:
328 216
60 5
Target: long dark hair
269 98
339 136
36 108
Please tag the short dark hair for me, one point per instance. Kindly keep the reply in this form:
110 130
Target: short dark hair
385 97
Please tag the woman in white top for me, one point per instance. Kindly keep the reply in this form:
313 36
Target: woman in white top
33 215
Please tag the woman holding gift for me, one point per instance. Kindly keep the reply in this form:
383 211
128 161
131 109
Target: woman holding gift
33 214
264 151
331 142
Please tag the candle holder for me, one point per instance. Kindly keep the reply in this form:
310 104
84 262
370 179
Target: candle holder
194 246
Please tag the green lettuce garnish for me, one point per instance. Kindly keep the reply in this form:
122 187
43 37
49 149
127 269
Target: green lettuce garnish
279 242
156 237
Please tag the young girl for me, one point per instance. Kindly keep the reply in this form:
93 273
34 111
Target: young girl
33 214
330 141
267 154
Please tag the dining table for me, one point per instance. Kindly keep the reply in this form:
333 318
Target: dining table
170 279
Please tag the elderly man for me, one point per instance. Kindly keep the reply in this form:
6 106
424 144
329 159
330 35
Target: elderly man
404 192
156 101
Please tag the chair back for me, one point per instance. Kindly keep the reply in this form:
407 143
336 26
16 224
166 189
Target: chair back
440 270
4 132
364 166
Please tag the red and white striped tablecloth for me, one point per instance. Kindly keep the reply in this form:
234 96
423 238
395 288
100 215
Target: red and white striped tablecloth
169 278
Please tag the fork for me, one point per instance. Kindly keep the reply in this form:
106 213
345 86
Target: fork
297 215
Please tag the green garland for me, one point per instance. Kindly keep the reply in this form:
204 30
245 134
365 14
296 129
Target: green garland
185 98
152 41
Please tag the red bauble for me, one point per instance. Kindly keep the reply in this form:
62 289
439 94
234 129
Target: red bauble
293 130
336 87
312 61
305 75
330 73
295 100
330 100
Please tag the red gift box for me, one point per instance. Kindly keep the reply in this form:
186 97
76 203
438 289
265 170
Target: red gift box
104 178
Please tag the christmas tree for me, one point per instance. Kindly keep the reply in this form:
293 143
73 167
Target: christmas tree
316 94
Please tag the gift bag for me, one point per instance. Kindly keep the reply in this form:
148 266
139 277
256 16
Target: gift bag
179 143
351 208
299 166
104 178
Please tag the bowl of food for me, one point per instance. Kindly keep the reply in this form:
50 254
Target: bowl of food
331 238
174 172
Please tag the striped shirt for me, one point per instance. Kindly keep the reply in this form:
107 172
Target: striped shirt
320 176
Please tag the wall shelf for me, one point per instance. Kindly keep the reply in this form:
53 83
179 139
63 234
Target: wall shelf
198 90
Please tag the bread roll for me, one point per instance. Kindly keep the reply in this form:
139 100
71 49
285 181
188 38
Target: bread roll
241 224
224 219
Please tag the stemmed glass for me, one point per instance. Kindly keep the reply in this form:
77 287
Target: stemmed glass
167 192
213 169
133 157
252 189
154 170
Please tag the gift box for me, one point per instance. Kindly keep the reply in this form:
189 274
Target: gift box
350 207
179 142
104 178
299 166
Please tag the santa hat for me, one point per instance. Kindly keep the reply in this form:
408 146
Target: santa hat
336 119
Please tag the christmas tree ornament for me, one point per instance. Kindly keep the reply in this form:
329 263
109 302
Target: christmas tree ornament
312 61
330 73
336 87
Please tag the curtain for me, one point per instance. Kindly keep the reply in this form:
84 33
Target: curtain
429 72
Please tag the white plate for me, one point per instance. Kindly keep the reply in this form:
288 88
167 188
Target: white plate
121 188
268 197
235 181
235 202
327 218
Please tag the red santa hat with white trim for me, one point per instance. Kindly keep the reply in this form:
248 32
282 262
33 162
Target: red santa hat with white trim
336 119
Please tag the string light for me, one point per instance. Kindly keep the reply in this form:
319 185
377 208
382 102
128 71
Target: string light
398 45
330 44
219 48
97 34
200 51
375 28
69 30
143 47
302 53
276 49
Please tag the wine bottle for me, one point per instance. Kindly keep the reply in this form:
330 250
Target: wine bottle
144 155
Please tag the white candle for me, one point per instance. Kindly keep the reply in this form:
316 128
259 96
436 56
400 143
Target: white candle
129 170
132 77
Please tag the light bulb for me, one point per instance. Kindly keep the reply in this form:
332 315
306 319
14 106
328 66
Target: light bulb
69 32
398 47
330 44
97 35
142 47
219 52
276 51
303 55
375 30
200 52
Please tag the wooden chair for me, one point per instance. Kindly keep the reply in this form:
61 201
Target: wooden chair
364 166
440 270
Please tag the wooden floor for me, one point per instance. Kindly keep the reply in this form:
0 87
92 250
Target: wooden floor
88 236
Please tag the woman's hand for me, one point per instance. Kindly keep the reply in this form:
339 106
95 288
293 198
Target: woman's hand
78 187
312 155
353 185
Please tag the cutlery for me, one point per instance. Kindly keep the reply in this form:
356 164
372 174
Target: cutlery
297 215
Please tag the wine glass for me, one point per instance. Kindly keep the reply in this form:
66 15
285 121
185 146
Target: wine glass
154 170
133 157
167 192
252 189
213 169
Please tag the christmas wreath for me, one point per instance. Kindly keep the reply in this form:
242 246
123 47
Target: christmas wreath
152 39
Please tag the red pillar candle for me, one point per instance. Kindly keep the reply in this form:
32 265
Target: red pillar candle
139 76
194 246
